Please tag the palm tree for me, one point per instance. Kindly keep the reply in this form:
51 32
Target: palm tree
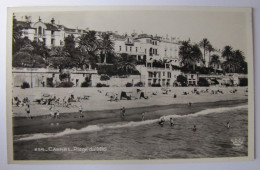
238 58
204 44
126 64
196 55
227 53
89 46
106 45
215 61
210 49
189 54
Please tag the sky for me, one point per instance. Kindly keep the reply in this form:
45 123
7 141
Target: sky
220 28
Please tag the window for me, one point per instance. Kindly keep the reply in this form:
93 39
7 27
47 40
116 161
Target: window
169 75
125 48
119 48
40 30
44 41
130 48
136 49
145 51
52 41
191 76
52 32
163 73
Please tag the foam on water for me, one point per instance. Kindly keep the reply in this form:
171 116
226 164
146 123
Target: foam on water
92 128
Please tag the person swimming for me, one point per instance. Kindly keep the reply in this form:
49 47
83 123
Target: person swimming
161 122
228 125
171 121
194 128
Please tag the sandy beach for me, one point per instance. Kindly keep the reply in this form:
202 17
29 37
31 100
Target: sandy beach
98 100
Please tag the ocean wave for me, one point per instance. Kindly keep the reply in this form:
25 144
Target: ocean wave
92 128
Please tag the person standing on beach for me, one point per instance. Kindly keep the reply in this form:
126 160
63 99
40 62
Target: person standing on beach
123 113
52 109
143 116
57 114
28 111
80 111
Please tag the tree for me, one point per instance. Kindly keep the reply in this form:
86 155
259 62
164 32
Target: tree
182 80
126 64
60 58
89 46
227 52
204 44
189 54
210 49
215 61
106 45
70 45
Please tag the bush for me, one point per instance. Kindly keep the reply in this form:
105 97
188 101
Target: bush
25 85
243 82
63 76
104 78
139 84
182 80
203 82
86 83
156 85
129 85
65 84
101 85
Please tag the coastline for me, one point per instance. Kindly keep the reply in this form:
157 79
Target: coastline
44 124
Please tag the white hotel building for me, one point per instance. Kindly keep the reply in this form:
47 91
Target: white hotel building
144 47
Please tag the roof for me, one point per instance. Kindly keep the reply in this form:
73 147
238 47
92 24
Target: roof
24 24
51 27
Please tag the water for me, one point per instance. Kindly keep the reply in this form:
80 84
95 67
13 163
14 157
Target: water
145 139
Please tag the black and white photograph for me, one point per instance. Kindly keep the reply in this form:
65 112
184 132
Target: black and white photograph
130 83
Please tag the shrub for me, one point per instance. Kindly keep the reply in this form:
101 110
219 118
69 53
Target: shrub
182 80
101 85
104 78
203 82
139 84
63 76
86 83
65 84
25 85
243 82
156 85
129 85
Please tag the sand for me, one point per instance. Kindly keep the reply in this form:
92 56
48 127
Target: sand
99 101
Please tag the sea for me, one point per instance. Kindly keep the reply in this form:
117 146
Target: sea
131 140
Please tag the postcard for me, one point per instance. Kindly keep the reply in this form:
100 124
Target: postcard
151 84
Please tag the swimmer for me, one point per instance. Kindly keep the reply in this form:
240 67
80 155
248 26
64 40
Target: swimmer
228 125
161 122
171 121
194 128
